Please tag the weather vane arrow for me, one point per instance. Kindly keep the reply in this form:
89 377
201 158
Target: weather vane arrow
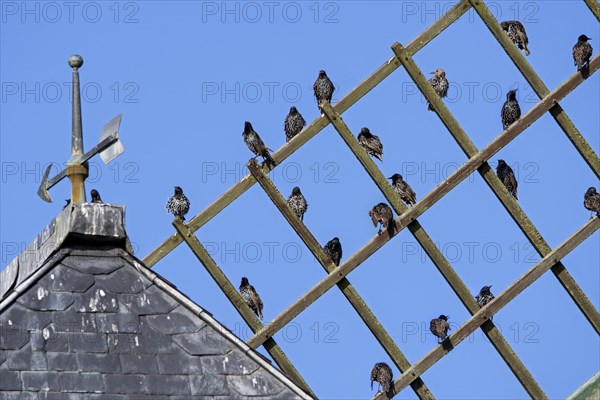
108 147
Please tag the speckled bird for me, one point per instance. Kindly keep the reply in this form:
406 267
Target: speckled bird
323 88
382 374
510 110
293 124
251 297
382 214
96 197
178 204
591 200
298 203
406 193
484 296
516 33
507 176
371 143
439 83
255 144
582 51
333 249
440 327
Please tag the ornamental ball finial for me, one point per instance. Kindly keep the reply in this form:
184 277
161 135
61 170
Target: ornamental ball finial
75 61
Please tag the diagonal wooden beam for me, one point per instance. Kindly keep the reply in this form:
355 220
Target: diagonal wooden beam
494 306
310 131
425 203
594 8
538 85
458 286
510 204
239 304
359 305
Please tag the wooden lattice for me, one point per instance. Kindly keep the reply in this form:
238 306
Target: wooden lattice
407 218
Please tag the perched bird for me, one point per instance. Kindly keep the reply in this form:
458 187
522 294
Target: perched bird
507 176
382 214
516 33
178 204
439 326
68 202
484 296
382 374
591 200
582 51
298 203
371 143
95 197
323 88
406 193
251 297
439 83
255 144
333 249
293 124
510 110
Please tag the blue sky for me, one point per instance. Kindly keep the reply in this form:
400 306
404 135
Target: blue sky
186 75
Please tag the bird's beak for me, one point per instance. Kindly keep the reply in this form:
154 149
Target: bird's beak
389 177
432 72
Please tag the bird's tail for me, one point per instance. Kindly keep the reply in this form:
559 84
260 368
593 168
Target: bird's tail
268 159
515 194
527 52
429 108
391 225
379 157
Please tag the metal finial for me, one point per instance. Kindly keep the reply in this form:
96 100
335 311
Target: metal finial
75 61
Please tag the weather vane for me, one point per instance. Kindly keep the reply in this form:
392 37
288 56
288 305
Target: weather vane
108 147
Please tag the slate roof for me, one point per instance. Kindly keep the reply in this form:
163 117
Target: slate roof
90 321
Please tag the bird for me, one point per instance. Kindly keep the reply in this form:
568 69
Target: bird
333 249
591 200
382 374
255 144
68 202
507 176
297 203
516 33
293 124
371 143
510 110
406 193
439 83
178 204
251 297
95 197
382 214
323 88
439 327
484 296
582 51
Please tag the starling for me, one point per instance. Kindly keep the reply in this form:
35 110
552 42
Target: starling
255 144
507 176
293 124
323 88
298 203
178 204
406 193
439 83
371 143
95 197
382 374
68 202
382 214
251 297
439 327
333 249
510 110
591 200
582 51
484 296
516 33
